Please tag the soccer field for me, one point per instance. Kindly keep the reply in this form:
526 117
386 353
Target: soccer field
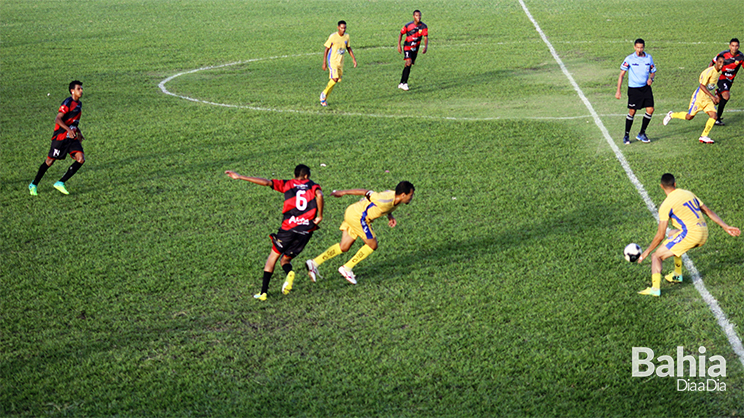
501 292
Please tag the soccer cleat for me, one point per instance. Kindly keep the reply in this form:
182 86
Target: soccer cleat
703 139
312 270
32 189
649 291
643 138
719 122
260 296
626 140
667 118
323 103
61 187
403 86
673 278
287 286
348 274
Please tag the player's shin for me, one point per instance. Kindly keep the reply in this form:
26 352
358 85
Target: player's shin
708 126
363 253
677 266
71 171
328 254
42 170
656 281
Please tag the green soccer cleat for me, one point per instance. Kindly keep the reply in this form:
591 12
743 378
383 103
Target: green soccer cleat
260 296
673 278
32 189
287 286
61 187
650 291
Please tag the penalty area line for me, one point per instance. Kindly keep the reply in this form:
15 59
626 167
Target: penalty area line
723 322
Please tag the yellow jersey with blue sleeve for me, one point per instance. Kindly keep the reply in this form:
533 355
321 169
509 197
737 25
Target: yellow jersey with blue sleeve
337 44
700 100
682 207
359 216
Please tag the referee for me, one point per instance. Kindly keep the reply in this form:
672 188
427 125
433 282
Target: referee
641 72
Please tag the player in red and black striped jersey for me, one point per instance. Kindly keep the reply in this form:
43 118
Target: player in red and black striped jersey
733 59
414 32
303 211
66 139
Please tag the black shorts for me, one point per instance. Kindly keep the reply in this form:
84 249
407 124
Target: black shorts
640 97
60 149
725 84
290 243
410 55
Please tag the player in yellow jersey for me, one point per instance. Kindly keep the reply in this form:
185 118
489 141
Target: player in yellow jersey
704 99
358 224
333 59
686 212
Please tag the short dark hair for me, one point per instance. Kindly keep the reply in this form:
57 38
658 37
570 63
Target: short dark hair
341 22
667 180
404 187
74 83
639 41
302 170
734 40
417 11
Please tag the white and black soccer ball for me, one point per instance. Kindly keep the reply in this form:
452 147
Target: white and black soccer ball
632 251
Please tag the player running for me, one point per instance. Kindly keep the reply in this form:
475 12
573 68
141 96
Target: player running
686 212
358 224
413 31
702 99
303 211
66 139
333 59
733 59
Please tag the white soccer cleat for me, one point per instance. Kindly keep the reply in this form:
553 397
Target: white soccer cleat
667 118
403 86
706 140
312 270
322 96
348 274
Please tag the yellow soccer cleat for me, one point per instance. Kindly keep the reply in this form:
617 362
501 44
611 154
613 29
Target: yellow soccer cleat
260 296
650 291
673 278
287 286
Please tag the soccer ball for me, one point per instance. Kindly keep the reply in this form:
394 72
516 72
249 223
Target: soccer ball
632 252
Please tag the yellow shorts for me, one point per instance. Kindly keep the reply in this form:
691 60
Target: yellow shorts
356 226
335 72
701 101
683 241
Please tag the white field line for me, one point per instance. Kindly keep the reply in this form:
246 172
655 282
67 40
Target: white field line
723 322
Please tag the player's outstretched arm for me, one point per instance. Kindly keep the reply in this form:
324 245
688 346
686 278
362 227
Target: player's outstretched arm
353 192
733 231
660 234
391 220
319 214
258 180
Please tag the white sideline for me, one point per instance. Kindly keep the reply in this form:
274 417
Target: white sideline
723 322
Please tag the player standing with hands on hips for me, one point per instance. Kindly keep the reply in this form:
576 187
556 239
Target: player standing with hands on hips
66 139
686 212
413 32
641 72
302 210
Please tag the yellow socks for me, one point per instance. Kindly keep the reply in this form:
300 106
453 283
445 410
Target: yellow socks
363 253
656 281
708 126
677 266
678 115
329 88
331 252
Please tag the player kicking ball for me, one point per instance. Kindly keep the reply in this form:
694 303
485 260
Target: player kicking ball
686 212
358 224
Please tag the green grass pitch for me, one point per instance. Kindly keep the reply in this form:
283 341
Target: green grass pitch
502 291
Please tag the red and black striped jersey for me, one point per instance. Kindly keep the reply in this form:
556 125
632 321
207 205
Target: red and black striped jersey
731 64
413 33
300 205
71 110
